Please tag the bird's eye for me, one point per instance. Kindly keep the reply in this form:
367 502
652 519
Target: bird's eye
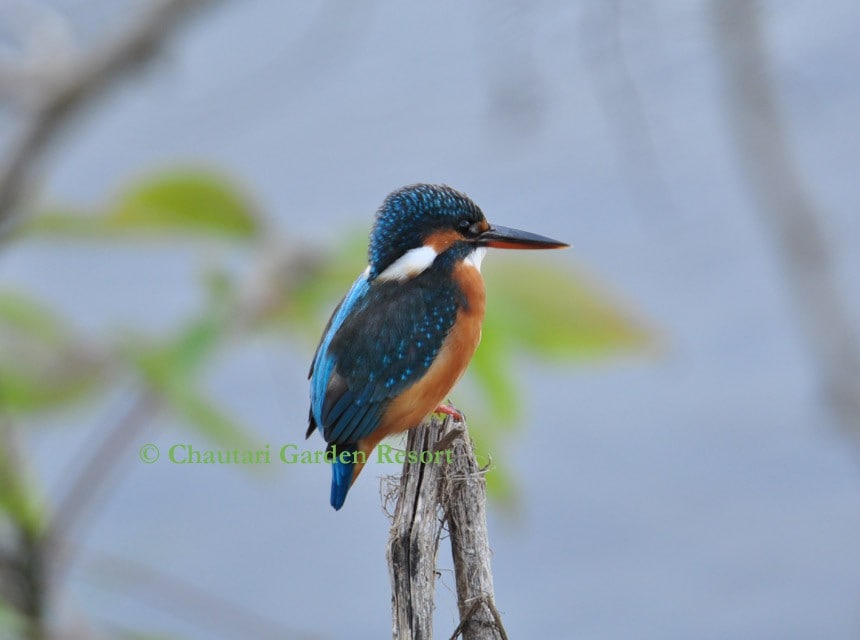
468 228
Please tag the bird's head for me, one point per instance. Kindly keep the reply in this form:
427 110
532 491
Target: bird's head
418 223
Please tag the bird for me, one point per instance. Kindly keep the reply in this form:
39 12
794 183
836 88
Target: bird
404 333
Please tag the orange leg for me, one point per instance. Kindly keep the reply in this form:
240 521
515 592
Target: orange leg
449 410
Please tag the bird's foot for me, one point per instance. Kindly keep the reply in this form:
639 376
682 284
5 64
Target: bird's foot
448 410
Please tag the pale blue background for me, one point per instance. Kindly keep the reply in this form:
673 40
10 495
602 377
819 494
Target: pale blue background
699 493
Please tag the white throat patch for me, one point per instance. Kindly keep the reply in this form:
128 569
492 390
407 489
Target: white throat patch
410 264
474 259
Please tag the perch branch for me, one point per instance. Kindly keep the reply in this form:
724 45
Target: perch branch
465 501
451 491
413 542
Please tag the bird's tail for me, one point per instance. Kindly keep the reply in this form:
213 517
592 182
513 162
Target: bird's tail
347 463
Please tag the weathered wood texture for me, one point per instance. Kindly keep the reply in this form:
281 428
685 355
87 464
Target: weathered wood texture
413 542
449 492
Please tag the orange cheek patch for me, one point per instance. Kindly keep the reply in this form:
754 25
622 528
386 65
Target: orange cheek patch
441 240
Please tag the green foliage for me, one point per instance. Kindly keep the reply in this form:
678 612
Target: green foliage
181 202
538 308
556 313
313 298
172 368
44 365
168 373
17 501
12 623
23 314
546 311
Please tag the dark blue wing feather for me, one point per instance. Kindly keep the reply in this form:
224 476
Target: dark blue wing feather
323 363
381 340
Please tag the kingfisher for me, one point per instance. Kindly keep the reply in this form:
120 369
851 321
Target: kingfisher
405 332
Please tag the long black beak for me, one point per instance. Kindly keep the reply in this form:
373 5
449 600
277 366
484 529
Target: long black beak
505 238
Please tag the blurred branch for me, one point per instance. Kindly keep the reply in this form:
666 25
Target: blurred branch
22 566
517 90
621 100
46 41
42 558
274 280
449 491
786 206
94 469
187 600
81 82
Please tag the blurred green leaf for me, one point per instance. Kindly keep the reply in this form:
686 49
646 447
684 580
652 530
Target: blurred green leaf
12 623
44 365
314 297
178 202
184 201
557 314
210 420
170 374
172 370
491 369
185 355
502 487
23 314
65 224
541 310
28 389
15 500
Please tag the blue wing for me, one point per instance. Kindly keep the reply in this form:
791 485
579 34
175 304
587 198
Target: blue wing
381 340
323 363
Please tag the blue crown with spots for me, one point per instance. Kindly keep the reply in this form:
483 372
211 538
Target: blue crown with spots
407 216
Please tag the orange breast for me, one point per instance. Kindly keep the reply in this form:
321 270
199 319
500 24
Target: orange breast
419 400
